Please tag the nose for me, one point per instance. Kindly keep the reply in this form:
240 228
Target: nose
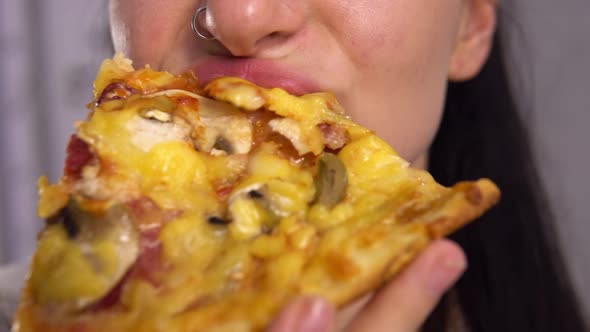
250 27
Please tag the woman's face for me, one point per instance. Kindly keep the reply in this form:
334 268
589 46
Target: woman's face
387 61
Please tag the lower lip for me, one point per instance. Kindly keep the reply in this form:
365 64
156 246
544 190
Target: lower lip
261 72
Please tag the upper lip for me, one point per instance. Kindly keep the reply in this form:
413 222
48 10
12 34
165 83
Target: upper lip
265 73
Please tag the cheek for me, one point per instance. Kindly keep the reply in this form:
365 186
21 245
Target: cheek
144 29
401 72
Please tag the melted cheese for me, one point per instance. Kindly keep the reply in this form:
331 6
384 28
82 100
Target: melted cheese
275 223
158 159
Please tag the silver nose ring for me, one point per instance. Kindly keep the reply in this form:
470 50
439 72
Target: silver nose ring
198 28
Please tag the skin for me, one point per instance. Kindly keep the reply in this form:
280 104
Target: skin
387 61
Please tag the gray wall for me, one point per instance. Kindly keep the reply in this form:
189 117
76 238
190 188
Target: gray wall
51 49
550 47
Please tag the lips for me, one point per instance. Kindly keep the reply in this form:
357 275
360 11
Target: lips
264 73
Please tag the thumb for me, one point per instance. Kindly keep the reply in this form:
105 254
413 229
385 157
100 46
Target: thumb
405 303
306 314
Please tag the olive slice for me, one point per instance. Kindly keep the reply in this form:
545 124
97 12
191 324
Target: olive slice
215 220
331 180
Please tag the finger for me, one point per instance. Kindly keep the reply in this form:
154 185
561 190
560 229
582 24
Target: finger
404 303
307 314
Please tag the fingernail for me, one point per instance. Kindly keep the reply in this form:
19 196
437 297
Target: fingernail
317 316
309 314
445 272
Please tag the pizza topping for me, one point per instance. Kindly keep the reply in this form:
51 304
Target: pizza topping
256 194
147 215
157 115
223 128
222 147
78 154
290 129
155 126
149 264
260 129
69 223
249 217
267 246
93 248
179 212
187 81
52 198
263 132
334 136
110 299
115 91
331 181
215 220
238 92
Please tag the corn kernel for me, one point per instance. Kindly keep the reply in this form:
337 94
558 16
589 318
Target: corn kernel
247 217
284 270
52 198
267 246
302 238
289 225
289 198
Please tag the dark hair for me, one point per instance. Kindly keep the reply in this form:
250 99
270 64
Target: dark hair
516 280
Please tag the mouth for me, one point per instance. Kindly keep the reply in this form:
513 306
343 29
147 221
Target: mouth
265 73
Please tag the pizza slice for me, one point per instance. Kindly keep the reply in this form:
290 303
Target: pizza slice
184 208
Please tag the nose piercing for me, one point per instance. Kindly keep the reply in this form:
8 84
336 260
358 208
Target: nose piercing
198 28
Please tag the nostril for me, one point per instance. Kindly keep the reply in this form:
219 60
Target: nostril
272 39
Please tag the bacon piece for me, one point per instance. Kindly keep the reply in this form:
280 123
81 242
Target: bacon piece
149 218
188 81
288 151
78 154
114 91
149 265
146 214
262 132
335 137
223 191
260 128
111 299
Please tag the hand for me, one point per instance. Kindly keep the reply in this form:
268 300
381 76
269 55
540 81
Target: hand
400 306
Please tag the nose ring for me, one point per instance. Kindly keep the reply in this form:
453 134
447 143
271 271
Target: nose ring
198 28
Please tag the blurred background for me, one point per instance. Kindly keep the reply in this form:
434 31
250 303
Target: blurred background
50 51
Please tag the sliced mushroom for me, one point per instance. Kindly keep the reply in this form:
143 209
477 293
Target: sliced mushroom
292 131
222 144
83 255
216 220
156 114
334 136
331 181
217 121
154 126
251 212
224 128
